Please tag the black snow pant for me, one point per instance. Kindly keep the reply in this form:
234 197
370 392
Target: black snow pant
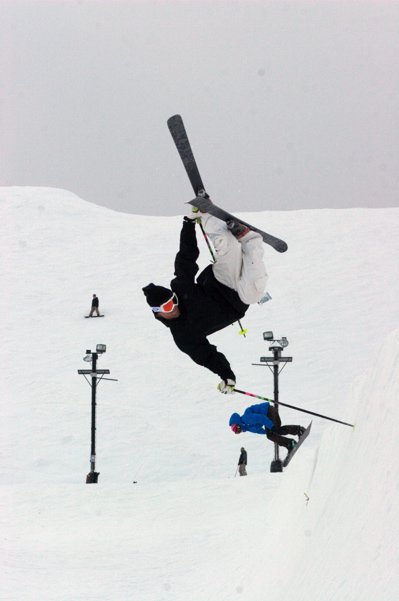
276 434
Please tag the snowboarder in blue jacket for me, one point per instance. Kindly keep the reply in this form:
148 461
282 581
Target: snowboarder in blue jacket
264 419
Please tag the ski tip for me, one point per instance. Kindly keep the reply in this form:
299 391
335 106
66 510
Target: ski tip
282 248
174 118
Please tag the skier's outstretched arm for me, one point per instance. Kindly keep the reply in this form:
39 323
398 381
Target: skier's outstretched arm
206 354
185 262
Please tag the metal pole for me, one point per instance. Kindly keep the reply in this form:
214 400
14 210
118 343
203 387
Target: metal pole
277 464
92 477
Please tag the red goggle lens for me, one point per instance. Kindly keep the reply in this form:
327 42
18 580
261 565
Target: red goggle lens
168 306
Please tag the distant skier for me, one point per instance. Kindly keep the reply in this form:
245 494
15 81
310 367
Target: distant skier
264 419
193 310
242 462
94 306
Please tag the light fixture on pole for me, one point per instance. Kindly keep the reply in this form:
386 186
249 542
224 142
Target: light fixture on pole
96 376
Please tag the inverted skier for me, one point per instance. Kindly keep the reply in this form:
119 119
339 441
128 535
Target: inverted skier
193 308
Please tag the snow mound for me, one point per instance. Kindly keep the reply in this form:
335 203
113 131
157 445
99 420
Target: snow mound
188 529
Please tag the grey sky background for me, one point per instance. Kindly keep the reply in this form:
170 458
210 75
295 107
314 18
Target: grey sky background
288 105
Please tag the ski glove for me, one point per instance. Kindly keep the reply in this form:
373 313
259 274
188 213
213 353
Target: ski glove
193 214
226 386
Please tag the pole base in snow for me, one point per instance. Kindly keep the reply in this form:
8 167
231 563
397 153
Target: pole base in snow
92 477
276 466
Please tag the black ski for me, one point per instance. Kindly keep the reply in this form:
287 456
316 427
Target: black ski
207 206
180 138
294 450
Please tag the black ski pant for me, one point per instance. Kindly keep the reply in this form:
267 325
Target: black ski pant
279 430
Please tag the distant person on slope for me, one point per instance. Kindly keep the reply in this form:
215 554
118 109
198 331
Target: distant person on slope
94 306
264 419
242 462
194 309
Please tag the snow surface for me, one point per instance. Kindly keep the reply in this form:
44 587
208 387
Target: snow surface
325 529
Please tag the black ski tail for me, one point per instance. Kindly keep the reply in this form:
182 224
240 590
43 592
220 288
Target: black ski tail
180 138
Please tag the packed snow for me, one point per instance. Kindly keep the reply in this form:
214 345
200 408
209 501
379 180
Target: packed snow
169 519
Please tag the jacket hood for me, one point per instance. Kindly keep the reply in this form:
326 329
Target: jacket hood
235 419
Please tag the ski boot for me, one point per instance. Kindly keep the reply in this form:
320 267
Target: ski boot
237 229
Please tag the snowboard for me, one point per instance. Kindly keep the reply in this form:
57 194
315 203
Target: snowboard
182 143
93 316
207 206
294 450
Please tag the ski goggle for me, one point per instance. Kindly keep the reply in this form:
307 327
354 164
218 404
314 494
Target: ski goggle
236 428
167 306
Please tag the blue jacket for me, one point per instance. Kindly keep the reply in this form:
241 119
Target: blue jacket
254 419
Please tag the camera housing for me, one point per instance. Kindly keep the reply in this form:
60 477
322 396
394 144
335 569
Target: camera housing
276 343
268 335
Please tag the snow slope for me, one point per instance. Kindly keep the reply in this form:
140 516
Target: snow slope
188 529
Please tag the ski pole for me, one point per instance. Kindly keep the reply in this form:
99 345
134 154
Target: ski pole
207 240
236 472
256 396
242 332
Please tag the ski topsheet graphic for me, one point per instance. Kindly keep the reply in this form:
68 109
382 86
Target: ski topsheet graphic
203 202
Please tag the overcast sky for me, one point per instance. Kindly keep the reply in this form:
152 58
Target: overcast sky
288 105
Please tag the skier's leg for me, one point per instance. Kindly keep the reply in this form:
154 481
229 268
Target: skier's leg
272 414
227 268
294 430
282 441
253 279
239 263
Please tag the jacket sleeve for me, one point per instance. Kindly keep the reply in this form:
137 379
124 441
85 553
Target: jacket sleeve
255 421
255 429
185 262
206 354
